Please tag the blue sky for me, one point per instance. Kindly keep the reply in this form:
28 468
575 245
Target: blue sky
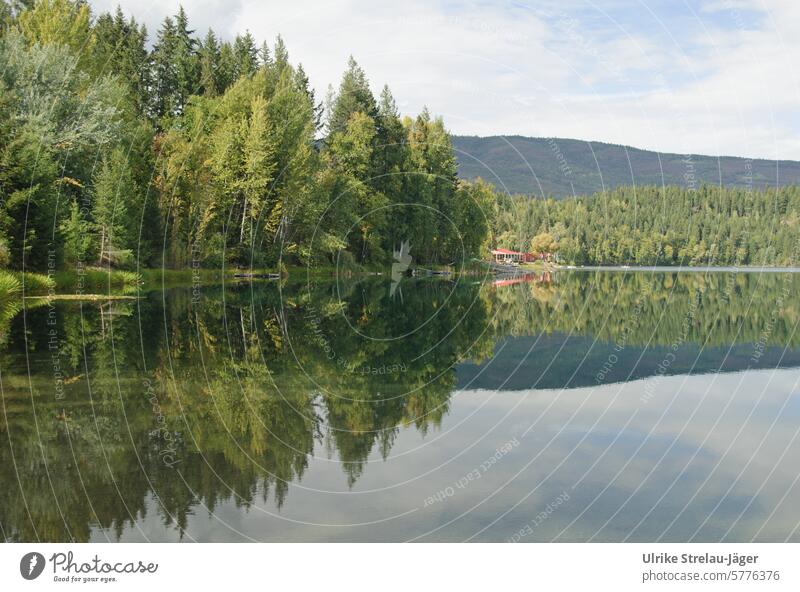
705 76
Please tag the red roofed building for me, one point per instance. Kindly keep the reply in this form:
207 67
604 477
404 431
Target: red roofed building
508 256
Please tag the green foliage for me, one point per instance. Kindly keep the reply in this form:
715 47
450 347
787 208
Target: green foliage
658 226
78 240
54 117
36 283
354 96
5 253
472 215
176 70
205 152
240 168
121 50
10 302
543 243
97 280
113 186
211 82
9 287
59 23
12 287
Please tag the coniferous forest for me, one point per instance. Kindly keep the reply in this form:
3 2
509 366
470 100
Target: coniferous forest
648 225
130 149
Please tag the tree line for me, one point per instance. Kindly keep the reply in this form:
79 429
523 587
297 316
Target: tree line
657 225
198 150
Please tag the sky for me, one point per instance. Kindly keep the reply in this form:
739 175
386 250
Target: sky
715 77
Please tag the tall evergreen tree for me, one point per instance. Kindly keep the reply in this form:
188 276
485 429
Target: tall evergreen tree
305 86
165 75
210 79
264 55
281 55
354 96
245 55
187 70
227 71
121 49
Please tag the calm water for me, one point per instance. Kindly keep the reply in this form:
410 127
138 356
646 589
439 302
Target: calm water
578 406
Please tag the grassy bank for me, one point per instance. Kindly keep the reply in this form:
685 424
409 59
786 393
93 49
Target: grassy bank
96 280
96 283
14 284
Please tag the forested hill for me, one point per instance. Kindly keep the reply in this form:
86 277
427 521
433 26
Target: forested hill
562 167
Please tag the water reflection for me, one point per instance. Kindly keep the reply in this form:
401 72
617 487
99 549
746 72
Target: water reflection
333 411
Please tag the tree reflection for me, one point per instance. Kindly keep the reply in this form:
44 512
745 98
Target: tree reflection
168 404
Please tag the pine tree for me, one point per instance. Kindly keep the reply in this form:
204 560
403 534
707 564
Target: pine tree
281 54
226 73
354 96
165 75
303 84
209 58
120 50
389 159
264 56
245 55
187 74
77 235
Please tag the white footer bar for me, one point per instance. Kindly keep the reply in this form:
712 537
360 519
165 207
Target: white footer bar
390 567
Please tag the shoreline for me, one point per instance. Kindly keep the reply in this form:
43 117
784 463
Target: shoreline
37 285
681 269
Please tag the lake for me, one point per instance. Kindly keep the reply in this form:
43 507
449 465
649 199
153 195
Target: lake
566 406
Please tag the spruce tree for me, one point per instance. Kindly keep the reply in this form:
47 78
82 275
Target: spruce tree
245 55
209 58
165 75
187 72
354 96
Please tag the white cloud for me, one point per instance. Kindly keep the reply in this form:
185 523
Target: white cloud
718 80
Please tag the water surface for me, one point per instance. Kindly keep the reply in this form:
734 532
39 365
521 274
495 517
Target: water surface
574 406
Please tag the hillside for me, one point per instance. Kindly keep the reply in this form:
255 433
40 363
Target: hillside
562 167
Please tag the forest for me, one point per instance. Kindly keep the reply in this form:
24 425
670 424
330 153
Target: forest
656 225
123 151
186 150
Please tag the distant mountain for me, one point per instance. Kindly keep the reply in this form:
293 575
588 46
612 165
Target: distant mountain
561 167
